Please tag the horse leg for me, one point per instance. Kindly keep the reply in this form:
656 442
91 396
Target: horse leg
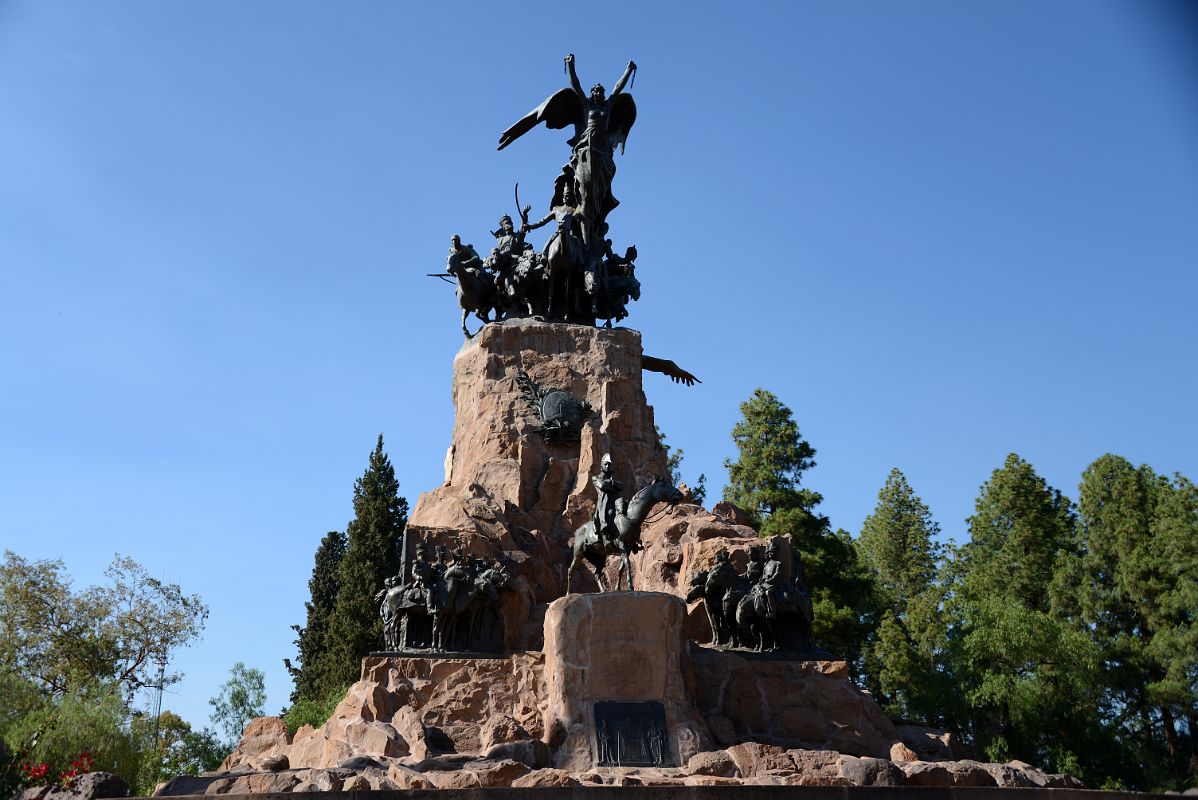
570 572
465 313
597 567
628 564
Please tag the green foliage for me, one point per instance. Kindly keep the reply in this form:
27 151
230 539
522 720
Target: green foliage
240 699
906 661
90 718
1019 526
70 663
771 458
1030 681
1130 582
314 712
113 633
1028 676
312 640
898 543
372 554
170 747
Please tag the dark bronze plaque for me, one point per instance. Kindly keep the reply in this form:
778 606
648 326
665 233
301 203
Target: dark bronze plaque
632 735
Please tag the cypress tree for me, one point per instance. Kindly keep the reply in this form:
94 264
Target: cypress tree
373 540
313 638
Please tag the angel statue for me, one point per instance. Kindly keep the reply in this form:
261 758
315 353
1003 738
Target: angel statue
600 124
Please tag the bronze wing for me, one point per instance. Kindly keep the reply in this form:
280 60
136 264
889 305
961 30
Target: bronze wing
559 110
667 367
623 114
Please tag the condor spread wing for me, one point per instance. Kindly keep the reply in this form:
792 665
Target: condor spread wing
667 367
559 110
623 114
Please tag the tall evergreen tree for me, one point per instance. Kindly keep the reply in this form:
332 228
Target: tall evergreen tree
905 660
898 541
1131 583
1019 526
373 540
771 458
764 481
313 638
1028 676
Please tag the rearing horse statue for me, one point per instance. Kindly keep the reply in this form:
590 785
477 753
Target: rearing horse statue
595 549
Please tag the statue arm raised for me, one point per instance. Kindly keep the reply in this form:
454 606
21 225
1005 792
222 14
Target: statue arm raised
574 84
629 71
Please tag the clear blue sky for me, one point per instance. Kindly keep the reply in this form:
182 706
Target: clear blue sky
939 231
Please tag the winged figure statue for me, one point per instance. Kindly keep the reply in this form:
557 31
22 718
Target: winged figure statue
601 123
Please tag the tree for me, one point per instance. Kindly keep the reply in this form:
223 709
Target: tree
240 699
313 638
1131 583
84 718
70 662
372 554
1019 526
1028 676
898 541
674 462
764 481
905 660
171 747
771 459
115 633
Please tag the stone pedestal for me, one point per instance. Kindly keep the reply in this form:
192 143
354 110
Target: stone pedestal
506 488
621 647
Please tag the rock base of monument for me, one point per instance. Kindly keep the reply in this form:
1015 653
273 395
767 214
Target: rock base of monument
618 698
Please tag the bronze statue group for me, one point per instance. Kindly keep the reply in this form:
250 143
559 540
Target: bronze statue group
451 603
577 276
760 609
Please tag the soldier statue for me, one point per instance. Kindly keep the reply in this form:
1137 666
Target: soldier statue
608 501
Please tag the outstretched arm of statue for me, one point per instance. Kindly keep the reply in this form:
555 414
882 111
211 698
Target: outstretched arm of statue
574 84
628 73
532 226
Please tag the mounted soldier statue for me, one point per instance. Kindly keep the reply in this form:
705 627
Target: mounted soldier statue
615 530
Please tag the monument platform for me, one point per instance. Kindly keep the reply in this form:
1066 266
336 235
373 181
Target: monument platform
620 700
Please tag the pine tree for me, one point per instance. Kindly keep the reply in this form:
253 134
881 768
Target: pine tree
1028 676
764 481
1131 583
1019 526
313 638
905 660
771 459
898 541
373 541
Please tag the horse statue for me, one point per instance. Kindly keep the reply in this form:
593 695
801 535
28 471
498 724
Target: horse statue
448 590
563 271
476 289
759 612
589 545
